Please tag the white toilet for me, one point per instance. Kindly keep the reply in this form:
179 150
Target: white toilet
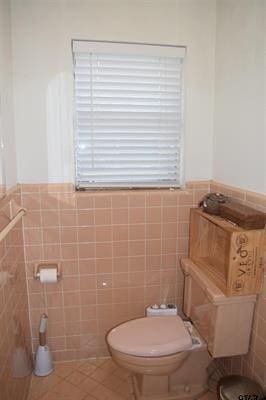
169 356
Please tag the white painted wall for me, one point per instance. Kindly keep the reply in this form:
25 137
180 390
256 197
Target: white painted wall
42 33
239 119
8 176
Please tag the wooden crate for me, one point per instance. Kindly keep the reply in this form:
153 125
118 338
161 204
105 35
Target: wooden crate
230 256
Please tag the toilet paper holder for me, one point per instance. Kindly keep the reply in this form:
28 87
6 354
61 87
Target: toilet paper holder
47 265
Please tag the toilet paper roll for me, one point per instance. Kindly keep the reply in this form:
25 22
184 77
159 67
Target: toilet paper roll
48 275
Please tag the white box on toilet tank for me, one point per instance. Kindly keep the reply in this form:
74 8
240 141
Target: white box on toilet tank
156 310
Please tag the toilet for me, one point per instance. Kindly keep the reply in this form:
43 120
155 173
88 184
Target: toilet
168 356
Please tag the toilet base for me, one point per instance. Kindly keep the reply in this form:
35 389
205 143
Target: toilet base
156 384
188 382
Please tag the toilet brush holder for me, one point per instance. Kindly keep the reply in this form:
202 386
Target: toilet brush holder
43 360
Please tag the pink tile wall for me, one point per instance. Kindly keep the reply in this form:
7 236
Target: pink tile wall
119 253
252 364
14 317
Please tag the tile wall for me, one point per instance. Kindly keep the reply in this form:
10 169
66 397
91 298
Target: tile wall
15 349
252 364
119 253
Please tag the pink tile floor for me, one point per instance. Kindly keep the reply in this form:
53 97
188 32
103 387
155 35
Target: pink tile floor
95 379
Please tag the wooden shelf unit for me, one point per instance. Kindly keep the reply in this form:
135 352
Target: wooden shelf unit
230 256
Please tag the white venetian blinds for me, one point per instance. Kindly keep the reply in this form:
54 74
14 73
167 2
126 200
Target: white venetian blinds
128 103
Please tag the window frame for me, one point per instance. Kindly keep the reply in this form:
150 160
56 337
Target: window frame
101 187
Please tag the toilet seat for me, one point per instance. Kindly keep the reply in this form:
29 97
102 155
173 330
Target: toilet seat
151 337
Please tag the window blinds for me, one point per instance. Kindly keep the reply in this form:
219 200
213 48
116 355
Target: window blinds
129 115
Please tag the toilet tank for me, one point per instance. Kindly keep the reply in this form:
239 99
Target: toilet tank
223 321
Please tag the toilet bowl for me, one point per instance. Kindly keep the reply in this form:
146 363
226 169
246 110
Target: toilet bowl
153 349
154 346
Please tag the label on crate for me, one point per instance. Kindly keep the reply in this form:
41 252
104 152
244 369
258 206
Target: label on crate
247 261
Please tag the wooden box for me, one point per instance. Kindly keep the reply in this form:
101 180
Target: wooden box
230 256
244 216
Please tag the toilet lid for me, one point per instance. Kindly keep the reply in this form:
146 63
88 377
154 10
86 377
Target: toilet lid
150 337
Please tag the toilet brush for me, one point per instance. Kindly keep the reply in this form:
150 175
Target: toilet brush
43 361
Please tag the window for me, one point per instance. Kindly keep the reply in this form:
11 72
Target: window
128 115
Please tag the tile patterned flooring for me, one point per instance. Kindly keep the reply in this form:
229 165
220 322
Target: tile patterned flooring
96 379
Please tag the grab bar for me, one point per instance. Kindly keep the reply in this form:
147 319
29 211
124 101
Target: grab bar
12 223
